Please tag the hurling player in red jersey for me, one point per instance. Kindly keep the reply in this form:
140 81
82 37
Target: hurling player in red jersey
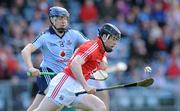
87 59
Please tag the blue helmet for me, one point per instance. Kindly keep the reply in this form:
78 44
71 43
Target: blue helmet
108 28
58 11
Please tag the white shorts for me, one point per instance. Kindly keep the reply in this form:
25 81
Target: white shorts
62 90
96 83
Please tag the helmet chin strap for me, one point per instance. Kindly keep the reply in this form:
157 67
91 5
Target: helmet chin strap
105 48
61 30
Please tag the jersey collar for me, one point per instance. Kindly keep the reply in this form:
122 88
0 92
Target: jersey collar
51 30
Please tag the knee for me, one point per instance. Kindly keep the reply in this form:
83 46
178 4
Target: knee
93 103
37 109
101 107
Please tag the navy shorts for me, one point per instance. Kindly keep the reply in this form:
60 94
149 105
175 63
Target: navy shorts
43 81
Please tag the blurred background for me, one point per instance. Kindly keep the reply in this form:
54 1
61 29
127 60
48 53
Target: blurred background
151 37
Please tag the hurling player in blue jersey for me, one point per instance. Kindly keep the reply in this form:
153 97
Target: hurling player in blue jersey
57 45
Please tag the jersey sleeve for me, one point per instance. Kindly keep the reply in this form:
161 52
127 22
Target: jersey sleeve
38 41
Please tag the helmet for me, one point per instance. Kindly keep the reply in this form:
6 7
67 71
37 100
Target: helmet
108 28
58 11
111 31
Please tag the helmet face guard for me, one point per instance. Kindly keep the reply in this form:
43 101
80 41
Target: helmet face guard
58 12
111 31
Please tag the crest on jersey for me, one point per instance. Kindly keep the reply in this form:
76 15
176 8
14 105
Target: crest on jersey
61 97
62 54
69 42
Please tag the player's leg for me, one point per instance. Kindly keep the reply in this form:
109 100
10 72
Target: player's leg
52 100
36 102
42 83
61 91
103 95
89 102
58 95
47 105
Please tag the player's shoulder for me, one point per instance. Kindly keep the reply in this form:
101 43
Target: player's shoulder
42 34
88 48
73 31
76 33
87 44
47 32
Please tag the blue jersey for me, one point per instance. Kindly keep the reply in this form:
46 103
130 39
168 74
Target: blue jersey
57 51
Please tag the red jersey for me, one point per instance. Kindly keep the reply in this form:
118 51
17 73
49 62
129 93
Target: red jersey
92 52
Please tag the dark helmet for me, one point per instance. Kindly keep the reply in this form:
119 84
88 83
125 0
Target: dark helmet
110 31
108 28
58 11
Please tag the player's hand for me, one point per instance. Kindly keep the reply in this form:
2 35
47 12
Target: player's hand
90 89
34 72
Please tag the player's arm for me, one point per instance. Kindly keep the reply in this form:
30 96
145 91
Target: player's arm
76 68
26 54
